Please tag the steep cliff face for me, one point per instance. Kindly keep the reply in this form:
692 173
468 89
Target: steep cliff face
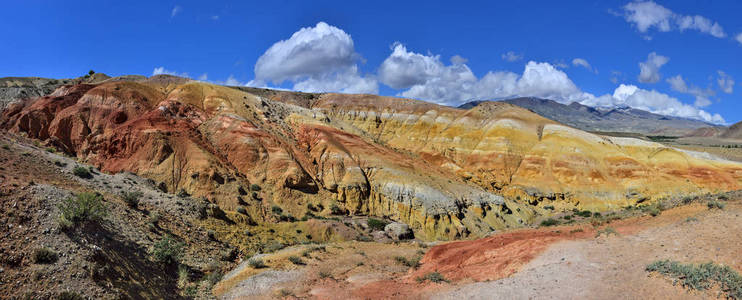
447 172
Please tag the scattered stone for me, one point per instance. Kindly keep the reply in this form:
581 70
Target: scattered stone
399 231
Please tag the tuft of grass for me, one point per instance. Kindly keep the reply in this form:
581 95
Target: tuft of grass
716 204
412 262
131 198
44 256
432 277
691 219
549 207
167 250
576 230
702 276
256 263
376 224
296 260
549 222
82 172
606 231
81 209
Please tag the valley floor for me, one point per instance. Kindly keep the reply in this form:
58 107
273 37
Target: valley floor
564 262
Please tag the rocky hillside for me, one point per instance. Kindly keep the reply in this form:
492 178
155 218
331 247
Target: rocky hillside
607 120
276 156
733 132
16 88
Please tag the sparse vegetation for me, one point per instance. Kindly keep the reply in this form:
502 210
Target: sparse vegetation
549 207
167 250
82 172
432 277
324 274
254 187
549 222
412 263
336 210
131 198
296 260
376 224
6 146
701 277
44 256
81 209
606 231
242 210
277 209
716 204
256 263
584 213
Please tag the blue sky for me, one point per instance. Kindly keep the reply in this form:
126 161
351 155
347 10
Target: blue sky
690 49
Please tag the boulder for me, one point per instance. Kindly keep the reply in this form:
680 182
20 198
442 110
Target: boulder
399 231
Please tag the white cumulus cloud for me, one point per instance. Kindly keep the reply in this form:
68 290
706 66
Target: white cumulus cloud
316 59
512 56
677 83
650 69
427 77
726 82
739 37
646 15
652 101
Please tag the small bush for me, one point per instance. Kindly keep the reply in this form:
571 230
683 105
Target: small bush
584 213
131 198
276 209
376 224
364 238
716 204
606 231
81 209
211 234
549 222
183 276
432 277
182 193
567 217
214 277
256 263
336 210
229 254
167 251
44 256
154 218
723 198
324 274
412 263
254 187
549 207
242 210
576 230
296 260
701 277
82 172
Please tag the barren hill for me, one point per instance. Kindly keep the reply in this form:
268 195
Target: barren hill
607 120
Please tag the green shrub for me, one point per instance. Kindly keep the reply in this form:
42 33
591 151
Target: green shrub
412 263
81 209
131 198
549 207
702 276
276 209
214 277
44 256
723 197
254 187
376 224
256 263
584 213
336 210
167 250
82 172
549 222
716 204
242 210
296 260
432 277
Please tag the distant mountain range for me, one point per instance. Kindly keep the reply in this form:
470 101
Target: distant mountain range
619 119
